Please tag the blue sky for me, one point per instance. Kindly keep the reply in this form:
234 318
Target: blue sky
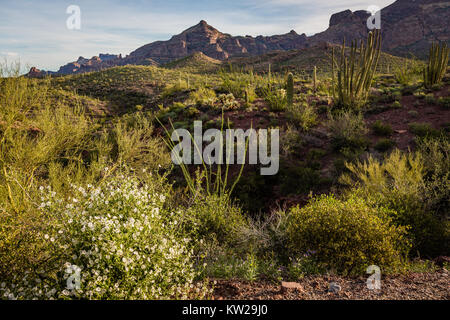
35 32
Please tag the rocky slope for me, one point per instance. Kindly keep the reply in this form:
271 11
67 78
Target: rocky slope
408 26
215 44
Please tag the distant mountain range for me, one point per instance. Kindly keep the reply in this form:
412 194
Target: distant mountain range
408 27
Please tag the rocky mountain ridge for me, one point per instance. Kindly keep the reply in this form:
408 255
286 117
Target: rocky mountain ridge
408 26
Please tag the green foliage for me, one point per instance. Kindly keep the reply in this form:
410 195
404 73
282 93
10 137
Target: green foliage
290 90
228 101
384 145
346 235
304 266
348 130
423 130
290 141
355 75
315 79
214 217
407 71
208 180
403 183
133 143
444 102
430 99
437 65
303 115
382 129
56 145
121 238
277 99
203 96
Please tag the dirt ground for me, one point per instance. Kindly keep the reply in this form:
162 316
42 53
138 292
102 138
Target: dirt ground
413 286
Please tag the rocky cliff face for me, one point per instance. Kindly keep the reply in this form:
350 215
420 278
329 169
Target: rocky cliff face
408 26
211 42
93 64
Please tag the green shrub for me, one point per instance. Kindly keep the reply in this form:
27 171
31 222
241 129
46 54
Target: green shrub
403 183
430 99
423 130
134 144
384 145
348 130
346 236
444 102
396 104
303 115
203 96
277 99
290 141
215 218
382 129
413 113
121 238
228 101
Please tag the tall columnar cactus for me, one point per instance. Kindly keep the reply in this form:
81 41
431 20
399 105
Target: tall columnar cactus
355 72
437 64
290 89
315 79
246 96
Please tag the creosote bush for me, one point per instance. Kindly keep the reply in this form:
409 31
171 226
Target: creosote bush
346 235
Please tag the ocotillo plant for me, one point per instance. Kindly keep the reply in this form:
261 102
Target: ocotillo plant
355 74
290 89
437 65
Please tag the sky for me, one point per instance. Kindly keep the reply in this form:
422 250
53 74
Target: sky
36 34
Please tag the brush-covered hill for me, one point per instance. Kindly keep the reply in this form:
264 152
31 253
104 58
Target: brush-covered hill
304 60
197 62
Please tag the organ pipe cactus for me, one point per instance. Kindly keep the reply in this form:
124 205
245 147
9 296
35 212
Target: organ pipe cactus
315 79
351 84
437 65
290 89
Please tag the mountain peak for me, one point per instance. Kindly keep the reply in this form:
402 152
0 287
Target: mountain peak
202 27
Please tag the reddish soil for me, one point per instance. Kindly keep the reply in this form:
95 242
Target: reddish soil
399 118
413 286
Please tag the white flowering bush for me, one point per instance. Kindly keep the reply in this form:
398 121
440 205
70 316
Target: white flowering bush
118 242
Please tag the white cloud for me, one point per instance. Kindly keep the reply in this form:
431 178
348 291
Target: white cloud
9 54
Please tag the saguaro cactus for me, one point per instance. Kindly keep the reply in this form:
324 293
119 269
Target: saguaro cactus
290 89
355 72
437 65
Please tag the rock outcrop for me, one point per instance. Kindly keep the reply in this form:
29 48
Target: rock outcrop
408 26
211 42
